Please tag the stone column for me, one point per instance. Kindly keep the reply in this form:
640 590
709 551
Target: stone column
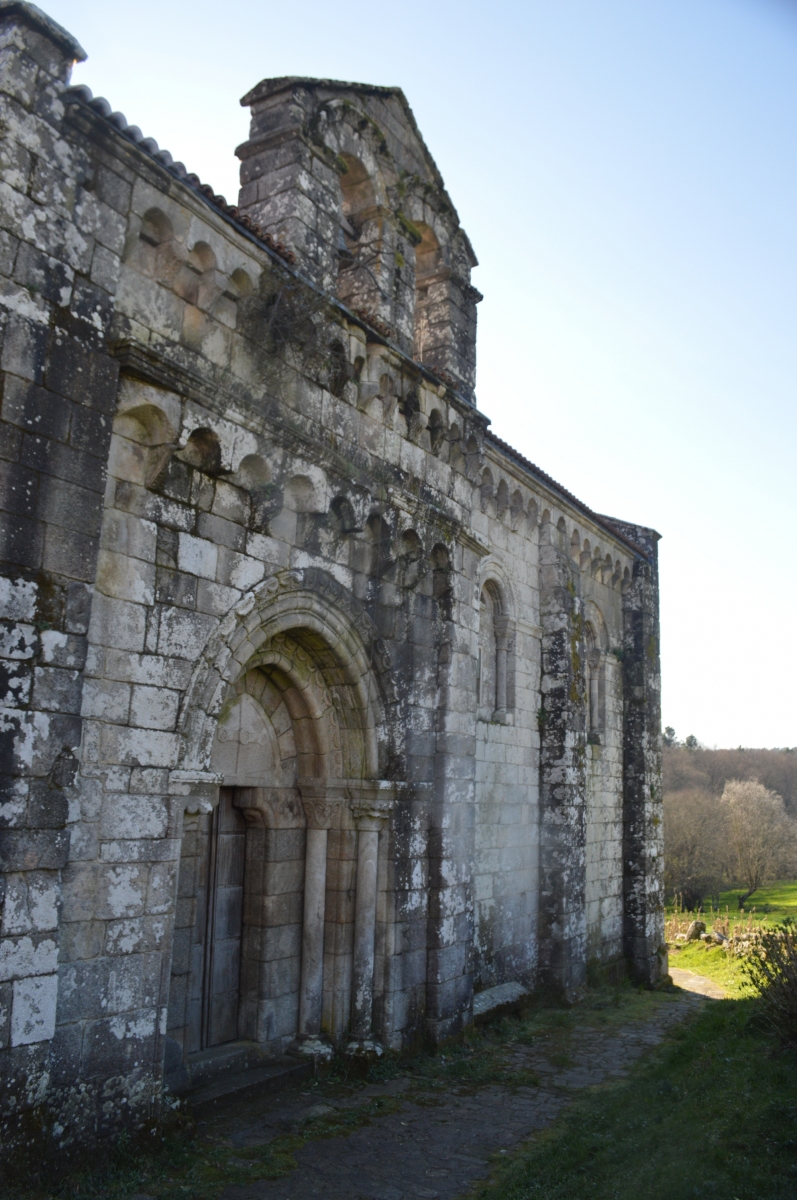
449 961
370 816
364 930
323 802
501 629
594 699
315 881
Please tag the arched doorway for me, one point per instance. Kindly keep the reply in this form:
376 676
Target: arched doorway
277 896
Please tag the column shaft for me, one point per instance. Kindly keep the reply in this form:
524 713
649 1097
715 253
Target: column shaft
500 677
364 932
315 881
501 626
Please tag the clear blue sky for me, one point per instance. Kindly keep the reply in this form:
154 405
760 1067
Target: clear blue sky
627 173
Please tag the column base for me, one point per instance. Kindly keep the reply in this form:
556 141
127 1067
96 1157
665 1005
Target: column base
314 1047
364 1048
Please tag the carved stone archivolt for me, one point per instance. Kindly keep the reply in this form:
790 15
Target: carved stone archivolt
254 631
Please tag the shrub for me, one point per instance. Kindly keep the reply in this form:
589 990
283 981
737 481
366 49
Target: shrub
771 968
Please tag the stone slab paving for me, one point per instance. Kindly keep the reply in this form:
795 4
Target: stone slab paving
439 1143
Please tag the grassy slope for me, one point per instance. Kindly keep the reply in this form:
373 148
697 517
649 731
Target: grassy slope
714 963
779 898
712 1113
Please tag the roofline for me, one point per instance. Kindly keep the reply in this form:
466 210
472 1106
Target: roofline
604 522
284 83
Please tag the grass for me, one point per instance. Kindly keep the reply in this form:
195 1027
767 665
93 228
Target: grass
185 1163
715 963
768 906
711 1113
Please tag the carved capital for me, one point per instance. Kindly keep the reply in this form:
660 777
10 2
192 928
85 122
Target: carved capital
343 803
199 788
324 802
502 627
372 802
371 814
274 807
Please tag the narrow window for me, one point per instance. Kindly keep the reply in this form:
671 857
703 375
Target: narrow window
493 654
594 689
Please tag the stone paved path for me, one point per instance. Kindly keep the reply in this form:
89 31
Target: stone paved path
692 982
436 1145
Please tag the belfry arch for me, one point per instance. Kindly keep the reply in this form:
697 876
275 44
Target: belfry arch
286 736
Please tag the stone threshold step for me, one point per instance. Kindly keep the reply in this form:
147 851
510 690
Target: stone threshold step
273 1076
499 1000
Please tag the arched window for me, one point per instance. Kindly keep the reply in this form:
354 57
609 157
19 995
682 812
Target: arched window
493 653
501 498
377 532
441 579
594 685
427 267
360 243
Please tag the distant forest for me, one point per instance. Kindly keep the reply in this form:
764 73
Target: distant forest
730 820
698 769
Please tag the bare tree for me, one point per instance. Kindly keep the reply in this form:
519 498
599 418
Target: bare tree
694 841
761 835
710 770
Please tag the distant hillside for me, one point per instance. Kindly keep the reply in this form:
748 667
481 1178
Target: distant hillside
708 770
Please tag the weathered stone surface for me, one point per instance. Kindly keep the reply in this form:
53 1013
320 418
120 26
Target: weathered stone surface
322 706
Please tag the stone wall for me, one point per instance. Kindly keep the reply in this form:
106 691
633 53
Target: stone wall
258 540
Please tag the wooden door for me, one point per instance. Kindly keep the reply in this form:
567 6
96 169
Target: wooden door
224 922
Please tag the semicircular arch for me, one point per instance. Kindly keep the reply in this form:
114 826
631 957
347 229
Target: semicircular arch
492 571
594 617
307 627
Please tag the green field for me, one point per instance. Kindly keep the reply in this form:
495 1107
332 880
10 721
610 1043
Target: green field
715 963
768 905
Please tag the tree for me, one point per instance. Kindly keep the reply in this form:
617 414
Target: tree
691 742
710 770
761 835
694 840
668 737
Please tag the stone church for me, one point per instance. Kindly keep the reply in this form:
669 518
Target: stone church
324 709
